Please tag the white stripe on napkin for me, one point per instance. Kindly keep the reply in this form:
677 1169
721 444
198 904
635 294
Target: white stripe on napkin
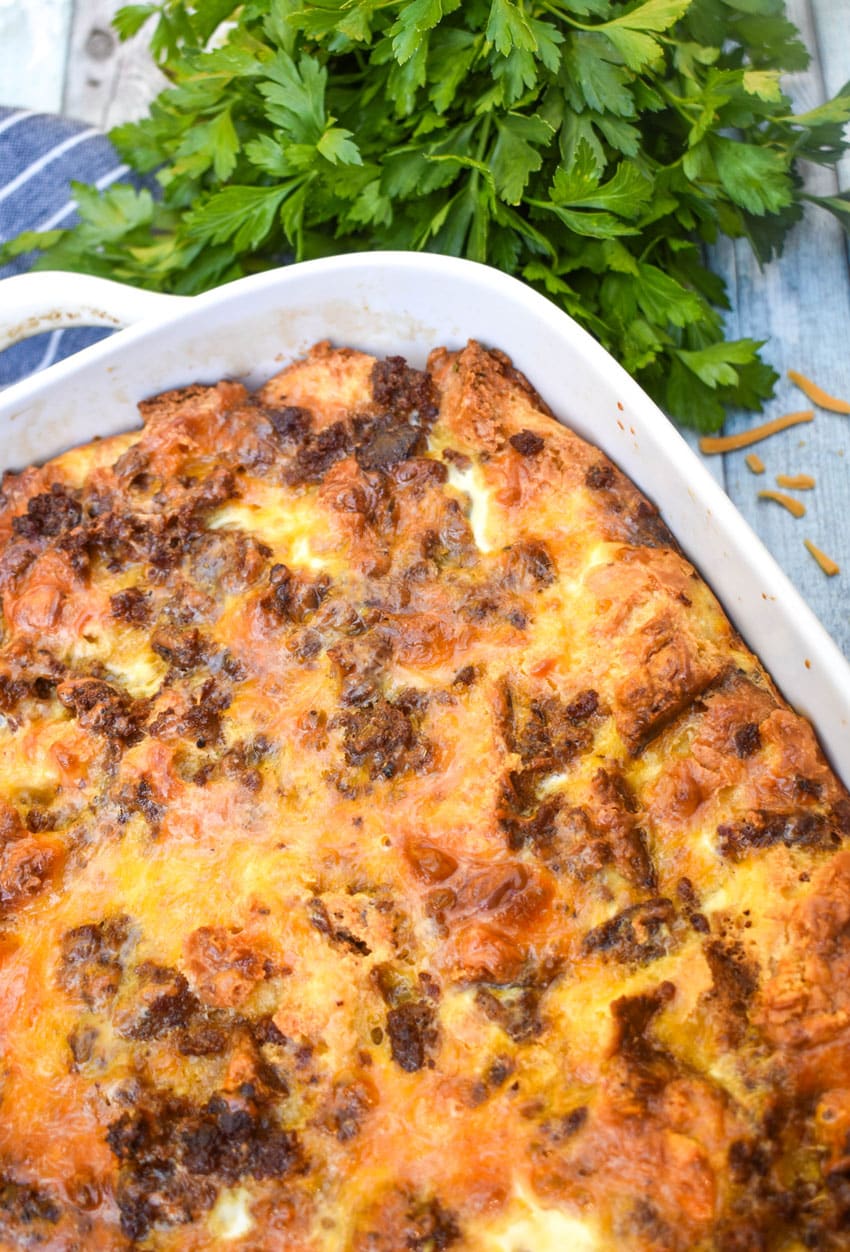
49 352
15 118
52 155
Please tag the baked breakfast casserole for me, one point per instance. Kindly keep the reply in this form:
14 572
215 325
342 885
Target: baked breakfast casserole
400 849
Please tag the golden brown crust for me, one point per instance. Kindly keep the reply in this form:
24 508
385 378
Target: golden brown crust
398 847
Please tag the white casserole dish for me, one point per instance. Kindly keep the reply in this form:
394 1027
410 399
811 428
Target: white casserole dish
408 303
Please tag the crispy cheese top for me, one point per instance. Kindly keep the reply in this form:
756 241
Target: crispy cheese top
398 847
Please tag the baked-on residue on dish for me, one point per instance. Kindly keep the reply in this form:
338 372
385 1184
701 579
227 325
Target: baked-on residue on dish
400 849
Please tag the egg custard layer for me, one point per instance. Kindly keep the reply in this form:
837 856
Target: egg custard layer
399 849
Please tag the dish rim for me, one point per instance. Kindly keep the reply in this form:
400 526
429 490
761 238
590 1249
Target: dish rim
820 687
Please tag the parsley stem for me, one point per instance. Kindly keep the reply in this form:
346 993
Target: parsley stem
482 140
562 16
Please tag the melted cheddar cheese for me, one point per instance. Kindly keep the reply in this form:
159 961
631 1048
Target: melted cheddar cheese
398 847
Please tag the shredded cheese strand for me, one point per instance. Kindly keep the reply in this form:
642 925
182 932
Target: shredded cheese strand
797 482
787 502
729 443
829 567
817 394
754 463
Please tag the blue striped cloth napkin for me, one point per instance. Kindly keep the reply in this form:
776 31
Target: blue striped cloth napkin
40 155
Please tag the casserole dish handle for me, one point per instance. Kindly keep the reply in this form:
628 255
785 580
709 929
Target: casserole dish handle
53 300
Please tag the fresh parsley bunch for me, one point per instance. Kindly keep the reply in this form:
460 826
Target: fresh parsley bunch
591 147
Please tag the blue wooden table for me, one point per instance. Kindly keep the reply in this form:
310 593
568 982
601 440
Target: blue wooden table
800 304
59 55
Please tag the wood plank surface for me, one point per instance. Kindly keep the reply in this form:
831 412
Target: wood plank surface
107 82
832 52
801 305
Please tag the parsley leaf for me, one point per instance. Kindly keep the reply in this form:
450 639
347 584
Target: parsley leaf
508 28
244 215
754 177
715 365
516 155
633 33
